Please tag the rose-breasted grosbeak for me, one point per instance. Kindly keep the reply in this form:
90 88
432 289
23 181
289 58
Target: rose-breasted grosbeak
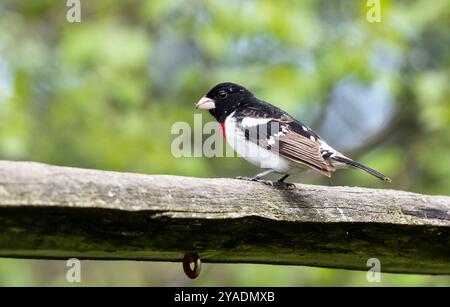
270 138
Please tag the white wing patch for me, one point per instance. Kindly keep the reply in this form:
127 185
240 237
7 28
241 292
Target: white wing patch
327 151
281 133
248 122
277 135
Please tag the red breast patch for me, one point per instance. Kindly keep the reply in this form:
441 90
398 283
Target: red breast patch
222 125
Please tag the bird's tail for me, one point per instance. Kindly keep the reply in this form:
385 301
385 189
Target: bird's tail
350 162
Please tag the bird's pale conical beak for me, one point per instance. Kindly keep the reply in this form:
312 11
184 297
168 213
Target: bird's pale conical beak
205 103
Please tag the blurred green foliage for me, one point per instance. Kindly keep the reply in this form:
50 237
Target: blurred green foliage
105 92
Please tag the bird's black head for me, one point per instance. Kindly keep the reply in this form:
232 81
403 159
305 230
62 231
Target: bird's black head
223 99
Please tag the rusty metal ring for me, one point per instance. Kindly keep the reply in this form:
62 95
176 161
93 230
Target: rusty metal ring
187 260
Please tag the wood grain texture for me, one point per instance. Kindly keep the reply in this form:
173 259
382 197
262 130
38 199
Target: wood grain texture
60 212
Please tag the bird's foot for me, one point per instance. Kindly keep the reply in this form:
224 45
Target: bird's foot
267 182
280 182
283 184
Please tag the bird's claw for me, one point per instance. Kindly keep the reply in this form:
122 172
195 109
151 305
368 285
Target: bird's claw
244 178
283 184
267 182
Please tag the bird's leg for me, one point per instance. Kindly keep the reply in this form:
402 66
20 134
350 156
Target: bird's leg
258 177
281 181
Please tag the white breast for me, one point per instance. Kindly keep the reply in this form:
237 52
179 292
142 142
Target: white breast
251 152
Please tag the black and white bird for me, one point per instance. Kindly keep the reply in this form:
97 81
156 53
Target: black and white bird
270 138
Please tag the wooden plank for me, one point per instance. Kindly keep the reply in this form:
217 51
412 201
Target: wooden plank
60 212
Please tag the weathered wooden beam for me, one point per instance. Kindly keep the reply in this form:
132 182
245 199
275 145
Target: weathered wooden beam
60 212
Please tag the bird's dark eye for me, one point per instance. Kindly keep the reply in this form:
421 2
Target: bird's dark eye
222 94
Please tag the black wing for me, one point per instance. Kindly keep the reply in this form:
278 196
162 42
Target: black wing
285 135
